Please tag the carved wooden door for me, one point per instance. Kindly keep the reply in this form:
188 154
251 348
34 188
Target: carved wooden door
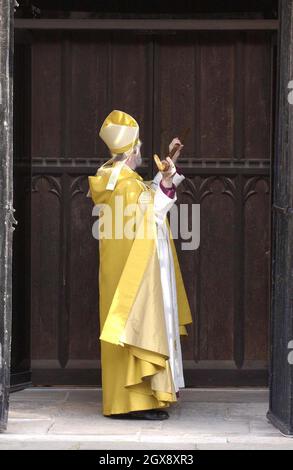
220 85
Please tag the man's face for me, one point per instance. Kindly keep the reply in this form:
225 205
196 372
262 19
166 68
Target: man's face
136 160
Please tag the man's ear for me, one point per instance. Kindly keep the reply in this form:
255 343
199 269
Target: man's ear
129 159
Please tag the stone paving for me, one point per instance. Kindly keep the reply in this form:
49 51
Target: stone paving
71 418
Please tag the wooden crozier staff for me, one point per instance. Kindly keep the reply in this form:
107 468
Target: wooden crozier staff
163 165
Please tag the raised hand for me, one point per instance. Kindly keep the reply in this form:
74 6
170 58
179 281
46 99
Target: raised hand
175 143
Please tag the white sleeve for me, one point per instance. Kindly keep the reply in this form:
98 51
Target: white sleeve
156 181
162 204
177 179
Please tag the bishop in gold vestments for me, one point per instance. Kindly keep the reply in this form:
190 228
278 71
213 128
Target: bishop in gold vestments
143 303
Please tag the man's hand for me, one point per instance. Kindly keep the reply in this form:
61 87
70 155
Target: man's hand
167 175
179 148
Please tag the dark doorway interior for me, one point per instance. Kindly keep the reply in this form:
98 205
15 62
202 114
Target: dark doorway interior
21 260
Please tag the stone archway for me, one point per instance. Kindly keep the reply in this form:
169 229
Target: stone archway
281 376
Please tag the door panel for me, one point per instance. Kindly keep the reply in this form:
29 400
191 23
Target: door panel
219 84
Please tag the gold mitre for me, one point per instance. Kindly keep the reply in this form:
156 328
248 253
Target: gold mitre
119 131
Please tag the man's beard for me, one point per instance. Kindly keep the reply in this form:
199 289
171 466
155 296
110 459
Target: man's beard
139 161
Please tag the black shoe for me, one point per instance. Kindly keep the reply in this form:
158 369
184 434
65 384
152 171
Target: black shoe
143 414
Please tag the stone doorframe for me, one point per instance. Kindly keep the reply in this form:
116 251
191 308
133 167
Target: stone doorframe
6 199
281 365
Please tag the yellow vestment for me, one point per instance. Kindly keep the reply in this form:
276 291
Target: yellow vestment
136 374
